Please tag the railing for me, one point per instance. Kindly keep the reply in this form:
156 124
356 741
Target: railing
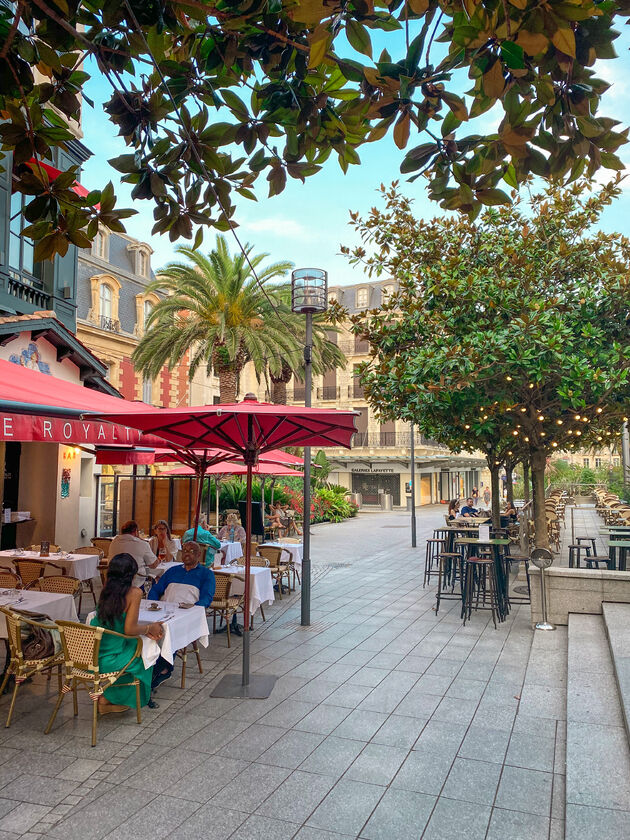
329 392
350 347
110 324
392 439
356 390
28 293
299 394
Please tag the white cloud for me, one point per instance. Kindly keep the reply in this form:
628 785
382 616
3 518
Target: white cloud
278 226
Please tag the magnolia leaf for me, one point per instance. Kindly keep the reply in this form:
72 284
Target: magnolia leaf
401 130
512 55
456 104
418 7
318 52
564 40
533 43
493 81
359 37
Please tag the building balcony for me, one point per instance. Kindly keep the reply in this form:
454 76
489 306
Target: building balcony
30 293
299 394
392 440
109 324
358 346
356 390
329 392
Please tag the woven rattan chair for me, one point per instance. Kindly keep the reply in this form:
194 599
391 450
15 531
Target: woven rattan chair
102 568
31 570
61 584
223 604
102 543
37 547
9 580
278 568
87 587
18 666
261 562
81 644
183 655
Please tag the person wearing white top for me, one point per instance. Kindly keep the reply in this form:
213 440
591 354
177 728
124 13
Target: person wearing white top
128 542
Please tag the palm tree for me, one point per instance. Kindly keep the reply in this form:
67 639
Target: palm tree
326 354
215 308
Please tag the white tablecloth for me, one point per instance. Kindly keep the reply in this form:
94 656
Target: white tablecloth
232 550
49 603
81 566
296 551
260 585
181 628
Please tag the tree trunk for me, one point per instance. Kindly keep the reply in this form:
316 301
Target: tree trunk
278 391
509 483
227 384
526 496
538 462
496 495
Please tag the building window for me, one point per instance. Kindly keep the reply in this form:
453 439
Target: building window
98 245
148 307
599 462
361 298
21 249
386 293
586 462
106 296
147 391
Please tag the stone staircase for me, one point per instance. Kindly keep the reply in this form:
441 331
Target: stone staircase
597 800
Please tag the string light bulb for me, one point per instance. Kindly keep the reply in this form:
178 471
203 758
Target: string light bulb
577 416
559 422
508 378
531 384
599 410
541 417
554 443
515 433
523 410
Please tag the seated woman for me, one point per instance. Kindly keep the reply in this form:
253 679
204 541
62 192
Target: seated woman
117 610
510 510
203 537
453 509
232 531
162 544
275 521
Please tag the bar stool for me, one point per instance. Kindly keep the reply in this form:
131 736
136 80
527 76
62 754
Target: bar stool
591 540
480 581
431 561
518 559
575 554
449 569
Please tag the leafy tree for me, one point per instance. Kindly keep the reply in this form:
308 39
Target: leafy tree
517 323
211 96
215 310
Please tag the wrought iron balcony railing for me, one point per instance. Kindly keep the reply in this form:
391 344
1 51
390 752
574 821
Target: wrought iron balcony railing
401 440
329 392
110 324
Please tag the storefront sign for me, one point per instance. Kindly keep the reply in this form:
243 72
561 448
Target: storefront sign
373 470
25 428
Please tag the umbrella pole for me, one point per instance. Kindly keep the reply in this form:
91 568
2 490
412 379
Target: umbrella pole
216 491
201 471
248 550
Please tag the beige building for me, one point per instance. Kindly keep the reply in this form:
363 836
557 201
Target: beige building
379 461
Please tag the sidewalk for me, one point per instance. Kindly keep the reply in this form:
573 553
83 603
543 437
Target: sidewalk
387 723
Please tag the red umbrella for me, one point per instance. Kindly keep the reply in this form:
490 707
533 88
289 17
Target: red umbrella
247 429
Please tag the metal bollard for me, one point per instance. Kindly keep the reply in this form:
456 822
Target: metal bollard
542 558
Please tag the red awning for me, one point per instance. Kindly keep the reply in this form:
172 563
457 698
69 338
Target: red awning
37 407
54 173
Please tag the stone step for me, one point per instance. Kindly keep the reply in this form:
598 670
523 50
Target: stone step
598 755
617 623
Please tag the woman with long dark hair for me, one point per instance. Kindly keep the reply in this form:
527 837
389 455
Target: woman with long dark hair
118 609
162 543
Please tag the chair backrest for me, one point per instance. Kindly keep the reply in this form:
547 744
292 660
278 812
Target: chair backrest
292 540
89 549
61 584
223 581
51 547
9 580
271 553
14 634
258 561
101 543
80 643
29 570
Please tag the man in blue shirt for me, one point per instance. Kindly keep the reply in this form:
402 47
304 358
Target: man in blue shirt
190 583
468 510
204 537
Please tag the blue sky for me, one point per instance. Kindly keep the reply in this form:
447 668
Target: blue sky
307 222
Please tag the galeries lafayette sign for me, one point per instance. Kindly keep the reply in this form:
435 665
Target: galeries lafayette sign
26 427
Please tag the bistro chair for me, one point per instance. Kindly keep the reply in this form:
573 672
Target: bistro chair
480 582
60 584
9 580
19 667
31 570
278 569
223 604
87 587
51 547
260 562
80 645
102 544
183 655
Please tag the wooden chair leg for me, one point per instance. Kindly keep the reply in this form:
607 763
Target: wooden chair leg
12 706
94 720
75 703
92 592
227 625
5 680
138 712
262 613
54 713
184 656
196 649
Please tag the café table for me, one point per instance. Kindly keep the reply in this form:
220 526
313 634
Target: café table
80 566
182 627
295 550
621 545
495 545
260 584
231 550
49 603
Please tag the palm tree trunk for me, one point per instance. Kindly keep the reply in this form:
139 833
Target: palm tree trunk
228 377
278 392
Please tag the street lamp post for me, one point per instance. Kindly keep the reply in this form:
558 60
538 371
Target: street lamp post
309 294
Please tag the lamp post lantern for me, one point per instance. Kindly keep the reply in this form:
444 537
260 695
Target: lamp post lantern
309 294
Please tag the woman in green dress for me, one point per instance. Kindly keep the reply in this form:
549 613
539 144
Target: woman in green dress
117 610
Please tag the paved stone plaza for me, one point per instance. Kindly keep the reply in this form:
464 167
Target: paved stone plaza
387 722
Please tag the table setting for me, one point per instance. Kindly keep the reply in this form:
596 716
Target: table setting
295 550
231 550
53 605
80 566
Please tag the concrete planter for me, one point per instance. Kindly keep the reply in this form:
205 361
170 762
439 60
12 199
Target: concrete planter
577 591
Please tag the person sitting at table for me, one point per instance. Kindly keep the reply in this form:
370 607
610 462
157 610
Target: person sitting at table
129 542
162 543
274 520
468 510
232 531
453 508
203 537
190 583
117 609
510 511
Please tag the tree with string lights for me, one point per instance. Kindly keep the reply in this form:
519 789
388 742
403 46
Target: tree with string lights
518 323
210 97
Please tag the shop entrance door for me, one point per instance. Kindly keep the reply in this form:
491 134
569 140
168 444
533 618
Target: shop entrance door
11 491
370 484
